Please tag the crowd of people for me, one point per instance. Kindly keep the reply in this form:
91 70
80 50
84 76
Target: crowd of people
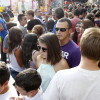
56 57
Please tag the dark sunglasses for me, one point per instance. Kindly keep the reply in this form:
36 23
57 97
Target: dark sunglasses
61 29
43 49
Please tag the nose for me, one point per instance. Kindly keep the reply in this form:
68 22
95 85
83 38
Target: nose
41 51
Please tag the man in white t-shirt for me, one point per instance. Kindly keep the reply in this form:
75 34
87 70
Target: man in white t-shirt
82 82
6 89
27 83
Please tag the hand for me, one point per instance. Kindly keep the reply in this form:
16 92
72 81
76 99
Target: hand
17 98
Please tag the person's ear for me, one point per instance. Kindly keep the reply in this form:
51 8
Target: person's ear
70 31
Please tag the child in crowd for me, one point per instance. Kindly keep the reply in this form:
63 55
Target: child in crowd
28 83
6 90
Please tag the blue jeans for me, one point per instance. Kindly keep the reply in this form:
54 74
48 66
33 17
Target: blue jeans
13 73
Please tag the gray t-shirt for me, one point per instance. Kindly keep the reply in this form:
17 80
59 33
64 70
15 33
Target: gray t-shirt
24 30
5 42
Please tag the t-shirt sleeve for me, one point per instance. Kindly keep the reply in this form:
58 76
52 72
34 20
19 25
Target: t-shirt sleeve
52 92
5 42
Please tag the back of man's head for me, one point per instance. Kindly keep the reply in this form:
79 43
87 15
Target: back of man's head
4 73
30 12
59 12
82 11
76 12
28 80
90 44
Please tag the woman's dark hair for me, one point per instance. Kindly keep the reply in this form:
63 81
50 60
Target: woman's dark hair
14 38
53 47
75 35
29 44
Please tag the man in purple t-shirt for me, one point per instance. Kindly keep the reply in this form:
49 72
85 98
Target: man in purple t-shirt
70 51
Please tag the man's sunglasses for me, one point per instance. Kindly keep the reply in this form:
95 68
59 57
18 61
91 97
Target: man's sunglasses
61 29
43 49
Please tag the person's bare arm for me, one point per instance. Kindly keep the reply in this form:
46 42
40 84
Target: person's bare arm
38 61
1 28
61 65
18 57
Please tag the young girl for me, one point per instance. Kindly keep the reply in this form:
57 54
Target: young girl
14 48
50 60
74 35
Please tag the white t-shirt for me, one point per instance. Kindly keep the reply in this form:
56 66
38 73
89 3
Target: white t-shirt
10 93
38 96
74 84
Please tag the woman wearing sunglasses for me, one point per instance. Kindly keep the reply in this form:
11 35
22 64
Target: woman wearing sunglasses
50 60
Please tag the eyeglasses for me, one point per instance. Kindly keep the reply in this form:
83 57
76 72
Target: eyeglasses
43 49
61 29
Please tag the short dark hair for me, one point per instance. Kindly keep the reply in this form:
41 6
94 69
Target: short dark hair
76 12
66 20
20 17
29 79
53 47
87 23
50 25
30 12
4 73
59 12
90 44
10 25
32 23
38 29
83 10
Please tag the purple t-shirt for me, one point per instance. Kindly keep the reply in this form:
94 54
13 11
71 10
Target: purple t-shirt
71 52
